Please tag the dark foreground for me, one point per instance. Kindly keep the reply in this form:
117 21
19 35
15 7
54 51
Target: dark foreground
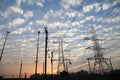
81 75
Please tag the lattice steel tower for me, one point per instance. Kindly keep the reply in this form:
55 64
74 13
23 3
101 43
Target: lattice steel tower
101 64
61 61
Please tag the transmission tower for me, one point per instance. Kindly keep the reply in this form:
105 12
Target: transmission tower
100 61
61 62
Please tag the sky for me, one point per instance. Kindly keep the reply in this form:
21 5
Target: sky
70 20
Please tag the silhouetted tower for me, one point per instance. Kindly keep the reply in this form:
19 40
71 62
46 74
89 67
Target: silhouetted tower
43 67
37 53
66 61
20 69
4 45
52 62
46 39
61 61
98 56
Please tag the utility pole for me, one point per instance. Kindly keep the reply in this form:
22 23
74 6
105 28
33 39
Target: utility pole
37 53
20 69
43 67
46 39
52 62
4 45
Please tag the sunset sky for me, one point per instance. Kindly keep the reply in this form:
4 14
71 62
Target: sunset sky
70 20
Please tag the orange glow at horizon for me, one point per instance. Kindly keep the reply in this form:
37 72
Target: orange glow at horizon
12 70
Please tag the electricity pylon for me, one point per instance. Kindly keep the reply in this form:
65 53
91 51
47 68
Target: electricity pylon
99 66
61 59
61 62
66 61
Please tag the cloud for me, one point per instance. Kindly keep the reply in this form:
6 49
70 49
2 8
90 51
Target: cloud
18 2
88 8
28 14
36 2
30 23
117 10
90 17
58 24
72 13
67 4
92 6
40 4
52 15
87 18
16 9
5 14
41 22
112 19
61 18
109 20
22 30
60 15
106 6
16 22
75 23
